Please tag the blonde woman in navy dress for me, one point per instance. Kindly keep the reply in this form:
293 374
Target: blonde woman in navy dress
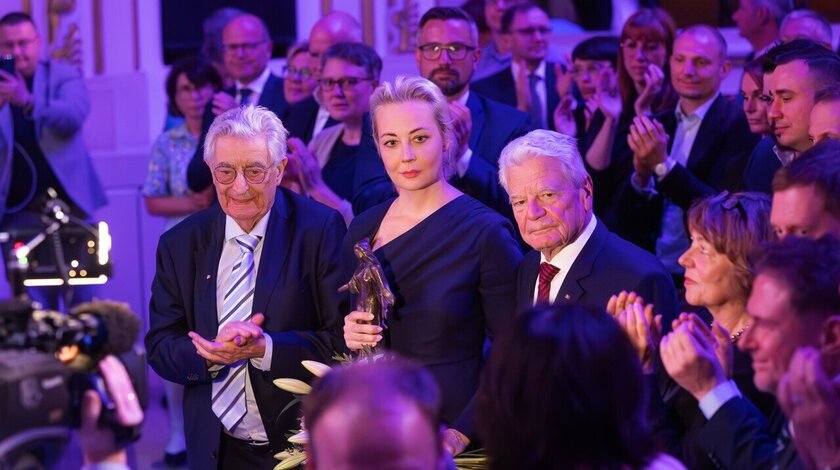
450 261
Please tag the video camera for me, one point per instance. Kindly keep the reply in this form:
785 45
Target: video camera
47 361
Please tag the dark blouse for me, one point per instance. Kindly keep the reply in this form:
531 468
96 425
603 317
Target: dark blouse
453 276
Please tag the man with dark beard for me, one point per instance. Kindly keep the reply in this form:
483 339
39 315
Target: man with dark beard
447 54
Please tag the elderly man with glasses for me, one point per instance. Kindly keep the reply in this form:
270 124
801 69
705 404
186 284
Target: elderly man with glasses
243 292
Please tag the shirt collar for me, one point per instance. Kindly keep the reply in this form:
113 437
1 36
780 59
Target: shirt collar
569 253
258 84
698 113
463 98
785 155
539 71
233 230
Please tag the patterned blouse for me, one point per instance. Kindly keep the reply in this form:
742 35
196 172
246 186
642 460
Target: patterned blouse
171 154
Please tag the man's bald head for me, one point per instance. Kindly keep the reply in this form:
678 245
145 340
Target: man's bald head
333 28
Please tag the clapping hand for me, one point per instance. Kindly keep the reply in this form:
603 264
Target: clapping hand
654 78
461 130
13 89
690 358
564 119
649 143
642 327
222 102
606 95
811 401
235 341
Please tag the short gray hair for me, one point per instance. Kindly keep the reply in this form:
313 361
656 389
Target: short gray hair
543 143
823 31
408 88
248 122
777 8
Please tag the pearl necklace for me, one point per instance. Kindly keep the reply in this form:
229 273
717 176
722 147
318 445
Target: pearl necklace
734 336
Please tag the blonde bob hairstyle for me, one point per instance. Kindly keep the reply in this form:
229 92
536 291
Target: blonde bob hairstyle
412 88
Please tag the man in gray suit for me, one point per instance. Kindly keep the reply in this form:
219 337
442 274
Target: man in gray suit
43 106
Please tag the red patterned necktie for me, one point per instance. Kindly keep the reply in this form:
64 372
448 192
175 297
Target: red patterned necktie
547 273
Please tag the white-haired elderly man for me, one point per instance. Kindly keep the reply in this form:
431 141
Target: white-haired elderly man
243 292
576 259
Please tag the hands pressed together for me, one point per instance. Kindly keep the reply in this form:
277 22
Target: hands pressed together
236 341
13 90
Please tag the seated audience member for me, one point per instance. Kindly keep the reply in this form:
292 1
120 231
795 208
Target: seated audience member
811 403
446 54
212 48
825 115
246 46
189 86
644 85
793 73
763 161
340 168
575 258
806 194
794 303
375 416
758 22
495 55
806 24
725 229
299 79
530 83
449 260
564 389
308 117
698 149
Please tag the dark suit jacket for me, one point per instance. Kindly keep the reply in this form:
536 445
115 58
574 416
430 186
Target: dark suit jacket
739 436
761 167
715 163
198 174
606 266
296 289
501 87
299 119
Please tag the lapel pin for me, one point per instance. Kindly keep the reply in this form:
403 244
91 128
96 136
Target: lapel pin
208 276
567 297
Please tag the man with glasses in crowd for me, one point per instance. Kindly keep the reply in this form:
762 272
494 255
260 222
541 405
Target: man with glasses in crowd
246 49
447 54
530 82
43 106
495 55
234 308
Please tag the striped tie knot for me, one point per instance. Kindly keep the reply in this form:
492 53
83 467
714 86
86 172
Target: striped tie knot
247 243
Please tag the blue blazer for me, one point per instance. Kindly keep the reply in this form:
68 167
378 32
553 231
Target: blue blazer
606 266
296 288
501 87
61 105
272 97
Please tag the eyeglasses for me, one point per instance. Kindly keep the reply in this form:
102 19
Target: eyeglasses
456 51
732 202
253 174
532 31
302 73
647 47
345 83
246 47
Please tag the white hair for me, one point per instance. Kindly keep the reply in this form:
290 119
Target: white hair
248 122
822 33
543 143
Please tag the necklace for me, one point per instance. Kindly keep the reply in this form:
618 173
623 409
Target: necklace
734 336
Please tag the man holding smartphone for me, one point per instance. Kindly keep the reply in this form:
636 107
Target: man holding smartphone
43 107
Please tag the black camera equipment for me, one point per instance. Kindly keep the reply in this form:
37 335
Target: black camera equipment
47 361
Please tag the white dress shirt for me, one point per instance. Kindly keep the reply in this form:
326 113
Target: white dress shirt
565 259
541 90
255 86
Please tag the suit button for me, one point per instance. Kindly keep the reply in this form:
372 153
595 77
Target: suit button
214 374
192 376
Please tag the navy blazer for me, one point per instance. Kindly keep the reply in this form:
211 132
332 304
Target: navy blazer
606 266
761 167
299 119
501 87
296 288
272 97
715 163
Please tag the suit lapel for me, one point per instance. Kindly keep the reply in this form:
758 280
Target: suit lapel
552 99
272 96
572 290
477 111
707 136
208 252
528 280
274 250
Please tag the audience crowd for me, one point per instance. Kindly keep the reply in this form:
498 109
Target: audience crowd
604 262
